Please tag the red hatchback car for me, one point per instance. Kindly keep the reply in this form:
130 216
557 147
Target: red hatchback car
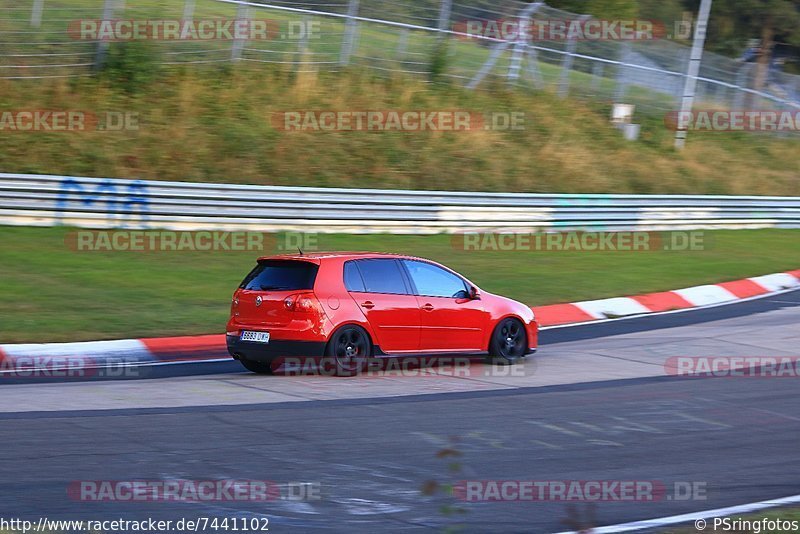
344 308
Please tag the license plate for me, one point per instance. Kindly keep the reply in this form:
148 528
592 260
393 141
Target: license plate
258 337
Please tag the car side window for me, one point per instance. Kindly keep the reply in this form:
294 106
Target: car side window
352 278
382 276
433 281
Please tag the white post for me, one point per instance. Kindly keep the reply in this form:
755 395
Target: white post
533 68
188 10
348 41
242 13
690 83
402 44
302 43
499 48
444 17
102 46
566 64
521 42
624 53
36 14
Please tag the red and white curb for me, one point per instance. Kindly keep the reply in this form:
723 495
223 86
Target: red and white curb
680 299
170 350
17 359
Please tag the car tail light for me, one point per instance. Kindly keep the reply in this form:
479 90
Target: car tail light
302 303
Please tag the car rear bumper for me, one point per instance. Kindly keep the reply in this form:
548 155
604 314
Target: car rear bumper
276 348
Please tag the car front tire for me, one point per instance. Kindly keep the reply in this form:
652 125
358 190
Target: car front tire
509 342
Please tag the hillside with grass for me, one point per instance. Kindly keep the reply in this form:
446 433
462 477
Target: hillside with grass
214 124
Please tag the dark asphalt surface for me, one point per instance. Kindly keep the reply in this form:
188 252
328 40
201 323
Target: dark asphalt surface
735 437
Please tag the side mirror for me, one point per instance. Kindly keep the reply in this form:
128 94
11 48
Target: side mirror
474 294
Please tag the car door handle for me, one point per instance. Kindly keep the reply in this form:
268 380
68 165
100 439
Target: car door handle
368 305
427 307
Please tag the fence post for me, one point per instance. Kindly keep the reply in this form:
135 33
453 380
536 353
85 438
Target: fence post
102 46
402 43
444 18
691 73
242 13
520 44
348 41
302 43
741 83
597 74
533 68
188 10
566 64
499 48
619 93
676 86
36 14
516 61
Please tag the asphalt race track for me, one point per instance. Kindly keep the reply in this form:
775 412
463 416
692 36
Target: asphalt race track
596 403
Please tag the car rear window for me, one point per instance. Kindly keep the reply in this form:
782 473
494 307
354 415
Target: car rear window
352 278
281 275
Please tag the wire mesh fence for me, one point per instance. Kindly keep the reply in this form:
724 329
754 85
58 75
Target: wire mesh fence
464 40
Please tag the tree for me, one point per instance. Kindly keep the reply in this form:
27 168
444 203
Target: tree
769 21
602 9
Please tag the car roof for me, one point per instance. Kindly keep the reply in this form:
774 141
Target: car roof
334 254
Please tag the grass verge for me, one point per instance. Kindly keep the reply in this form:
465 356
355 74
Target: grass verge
49 292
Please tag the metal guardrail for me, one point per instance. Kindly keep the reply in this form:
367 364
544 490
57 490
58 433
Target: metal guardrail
41 200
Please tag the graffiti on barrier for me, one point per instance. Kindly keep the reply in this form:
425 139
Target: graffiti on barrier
122 204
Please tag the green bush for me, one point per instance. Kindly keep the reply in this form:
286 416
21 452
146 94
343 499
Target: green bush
131 66
439 61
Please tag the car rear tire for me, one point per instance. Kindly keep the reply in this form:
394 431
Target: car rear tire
347 351
509 342
257 367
